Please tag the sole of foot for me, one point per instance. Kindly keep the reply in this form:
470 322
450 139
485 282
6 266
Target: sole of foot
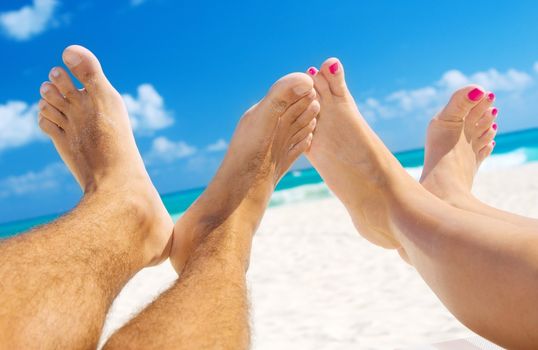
91 131
268 139
458 139
352 160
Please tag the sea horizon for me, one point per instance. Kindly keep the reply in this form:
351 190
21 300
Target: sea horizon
512 149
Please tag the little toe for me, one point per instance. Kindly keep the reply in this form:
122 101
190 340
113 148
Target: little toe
333 70
50 93
486 151
461 103
63 82
302 133
51 113
301 147
485 139
478 111
286 91
85 67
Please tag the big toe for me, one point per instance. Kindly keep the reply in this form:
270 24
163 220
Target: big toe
85 67
333 71
461 103
286 91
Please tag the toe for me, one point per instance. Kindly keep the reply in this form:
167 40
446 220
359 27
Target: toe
286 91
305 118
297 109
48 127
50 93
303 133
486 151
478 111
461 103
333 70
486 122
85 67
485 139
51 113
320 83
63 82
301 147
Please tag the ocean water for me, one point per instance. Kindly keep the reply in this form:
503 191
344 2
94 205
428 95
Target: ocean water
512 149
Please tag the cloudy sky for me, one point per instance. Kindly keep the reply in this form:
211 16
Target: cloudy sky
188 70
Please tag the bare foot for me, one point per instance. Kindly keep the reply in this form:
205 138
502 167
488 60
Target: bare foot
91 130
459 138
268 139
353 161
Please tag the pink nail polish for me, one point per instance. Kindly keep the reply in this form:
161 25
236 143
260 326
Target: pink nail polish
491 96
493 143
475 94
494 112
494 126
312 71
333 68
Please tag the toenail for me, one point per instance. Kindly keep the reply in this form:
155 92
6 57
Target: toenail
475 94
45 88
312 71
72 59
494 112
333 68
55 73
494 126
491 96
493 143
301 90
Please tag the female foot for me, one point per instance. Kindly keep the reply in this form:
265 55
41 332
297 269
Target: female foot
269 138
353 161
459 138
91 130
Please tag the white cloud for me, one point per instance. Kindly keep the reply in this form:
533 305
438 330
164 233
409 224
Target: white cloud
28 21
147 110
18 124
167 150
48 178
535 67
219 145
425 101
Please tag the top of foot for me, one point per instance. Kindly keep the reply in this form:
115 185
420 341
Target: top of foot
268 139
459 138
91 130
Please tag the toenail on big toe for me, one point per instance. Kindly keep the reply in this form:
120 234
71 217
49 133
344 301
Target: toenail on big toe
300 90
72 59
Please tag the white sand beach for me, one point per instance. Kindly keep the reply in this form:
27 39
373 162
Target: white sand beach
316 284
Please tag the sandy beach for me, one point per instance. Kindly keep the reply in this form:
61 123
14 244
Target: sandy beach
316 284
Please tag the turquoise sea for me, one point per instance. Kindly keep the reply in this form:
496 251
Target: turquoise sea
299 185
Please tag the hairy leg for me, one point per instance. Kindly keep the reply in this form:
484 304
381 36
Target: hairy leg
459 138
59 280
208 308
483 269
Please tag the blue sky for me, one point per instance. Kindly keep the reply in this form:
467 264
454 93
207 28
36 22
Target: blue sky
188 70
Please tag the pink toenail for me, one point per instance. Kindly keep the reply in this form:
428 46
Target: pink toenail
491 96
494 126
312 71
333 68
475 94
493 143
494 112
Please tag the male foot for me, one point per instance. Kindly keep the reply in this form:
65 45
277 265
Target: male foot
91 130
459 138
353 161
268 139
